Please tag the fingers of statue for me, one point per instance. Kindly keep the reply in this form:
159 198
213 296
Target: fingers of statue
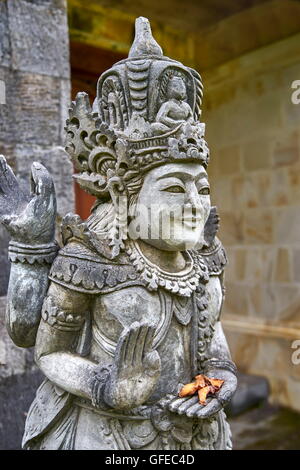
41 181
122 347
131 346
135 351
193 411
229 386
43 200
149 339
152 363
190 407
9 190
133 336
8 181
139 347
176 402
181 405
211 408
227 390
7 220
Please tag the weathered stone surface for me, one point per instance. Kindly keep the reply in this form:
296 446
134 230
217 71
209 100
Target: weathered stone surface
33 52
34 65
32 109
4 262
287 150
57 162
258 227
283 266
240 264
65 100
287 217
256 155
236 299
232 228
5 46
259 263
244 192
296 264
222 193
14 360
17 392
230 160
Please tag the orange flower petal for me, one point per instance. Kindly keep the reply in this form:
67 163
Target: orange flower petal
188 389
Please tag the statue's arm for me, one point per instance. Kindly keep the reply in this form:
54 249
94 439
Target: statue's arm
30 221
217 364
218 348
63 315
125 383
163 115
27 288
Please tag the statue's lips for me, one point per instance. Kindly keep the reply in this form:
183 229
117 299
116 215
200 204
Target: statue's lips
190 222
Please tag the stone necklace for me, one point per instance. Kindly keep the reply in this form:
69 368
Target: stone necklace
182 283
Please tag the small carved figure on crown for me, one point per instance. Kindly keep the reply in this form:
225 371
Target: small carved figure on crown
175 110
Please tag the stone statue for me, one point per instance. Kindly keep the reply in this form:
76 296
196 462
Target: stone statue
125 313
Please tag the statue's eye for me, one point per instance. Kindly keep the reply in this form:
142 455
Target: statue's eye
204 191
174 189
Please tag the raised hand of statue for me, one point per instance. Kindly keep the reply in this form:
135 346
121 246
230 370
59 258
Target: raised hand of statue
191 407
28 217
136 368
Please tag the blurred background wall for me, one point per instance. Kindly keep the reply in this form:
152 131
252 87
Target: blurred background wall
248 53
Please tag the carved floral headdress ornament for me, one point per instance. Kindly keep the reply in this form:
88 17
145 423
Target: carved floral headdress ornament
146 113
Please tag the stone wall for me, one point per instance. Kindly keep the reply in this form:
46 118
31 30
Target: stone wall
253 130
34 64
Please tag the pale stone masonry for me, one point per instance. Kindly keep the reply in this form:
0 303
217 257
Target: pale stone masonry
253 130
34 65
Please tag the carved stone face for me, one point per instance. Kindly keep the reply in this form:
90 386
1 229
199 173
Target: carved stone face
177 89
173 206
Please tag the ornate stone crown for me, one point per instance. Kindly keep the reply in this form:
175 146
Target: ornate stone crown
146 113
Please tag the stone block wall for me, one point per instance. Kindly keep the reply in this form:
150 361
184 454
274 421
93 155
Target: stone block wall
34 64
253 130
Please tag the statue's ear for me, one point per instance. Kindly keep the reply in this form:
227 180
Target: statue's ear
211 226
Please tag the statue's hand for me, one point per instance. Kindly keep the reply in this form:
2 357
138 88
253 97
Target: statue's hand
29 218
191 407
136 368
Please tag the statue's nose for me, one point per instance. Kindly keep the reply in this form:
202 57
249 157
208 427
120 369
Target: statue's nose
192 197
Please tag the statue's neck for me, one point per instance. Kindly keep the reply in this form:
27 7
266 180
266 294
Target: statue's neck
171 261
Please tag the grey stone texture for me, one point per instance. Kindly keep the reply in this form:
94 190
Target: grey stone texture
19 379
57 162
38 37
35 66
32 109
5 50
